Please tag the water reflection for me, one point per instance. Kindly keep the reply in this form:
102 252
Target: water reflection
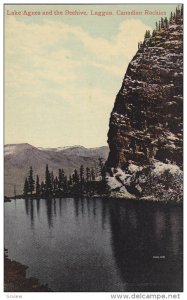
38 206
29 209
82 206
160 224
104 213
76 206
32 212
49 211
60 206
136 248
94 207
55 207
26 206
140 234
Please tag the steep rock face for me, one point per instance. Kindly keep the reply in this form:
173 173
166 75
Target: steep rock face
146 122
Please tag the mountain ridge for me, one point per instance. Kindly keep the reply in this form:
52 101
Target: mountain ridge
19 158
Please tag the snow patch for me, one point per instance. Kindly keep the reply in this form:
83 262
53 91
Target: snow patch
171 136
113 183
160 168
10 149
122 194
58 149
134 168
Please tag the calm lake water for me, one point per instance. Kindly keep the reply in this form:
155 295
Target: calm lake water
97 245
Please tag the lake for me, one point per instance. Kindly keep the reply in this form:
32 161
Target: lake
101 245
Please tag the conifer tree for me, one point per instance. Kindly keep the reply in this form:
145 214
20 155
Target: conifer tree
92 174
147 34
76 176
171 16
52 180
26 187
63 174
88 174
154 33
48 185
42 187
65 183
156 26
181 10
70 180
177 12
60 178
162 23
37 185
31 181
55 184
81 173
166 23
102 169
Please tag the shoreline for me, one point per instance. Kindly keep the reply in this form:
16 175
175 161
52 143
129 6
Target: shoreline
144 199
15 278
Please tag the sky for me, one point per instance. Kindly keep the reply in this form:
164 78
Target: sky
62 72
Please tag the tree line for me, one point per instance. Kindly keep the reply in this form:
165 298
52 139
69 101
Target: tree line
80 181
163 24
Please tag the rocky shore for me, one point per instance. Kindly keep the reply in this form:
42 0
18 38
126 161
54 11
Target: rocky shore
15 278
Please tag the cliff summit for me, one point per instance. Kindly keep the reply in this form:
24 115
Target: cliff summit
145 130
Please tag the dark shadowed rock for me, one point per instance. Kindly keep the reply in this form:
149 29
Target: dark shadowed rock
145 131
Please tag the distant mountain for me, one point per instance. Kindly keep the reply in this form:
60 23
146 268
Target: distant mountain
19 157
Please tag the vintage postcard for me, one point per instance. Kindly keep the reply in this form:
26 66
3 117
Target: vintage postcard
93 153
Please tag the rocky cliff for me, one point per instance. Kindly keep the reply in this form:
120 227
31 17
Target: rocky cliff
145 130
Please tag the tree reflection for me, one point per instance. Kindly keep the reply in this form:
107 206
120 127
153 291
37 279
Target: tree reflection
29 209
49 211
76 206
32 212
38 206
113 241
60 206
141 232
27 206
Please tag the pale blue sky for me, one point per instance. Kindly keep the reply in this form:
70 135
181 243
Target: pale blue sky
62 73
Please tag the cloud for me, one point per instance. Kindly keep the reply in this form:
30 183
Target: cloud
34 57
52 68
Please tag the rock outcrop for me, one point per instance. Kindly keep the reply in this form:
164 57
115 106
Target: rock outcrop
145 131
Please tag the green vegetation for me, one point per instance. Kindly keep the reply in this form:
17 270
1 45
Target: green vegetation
163 23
